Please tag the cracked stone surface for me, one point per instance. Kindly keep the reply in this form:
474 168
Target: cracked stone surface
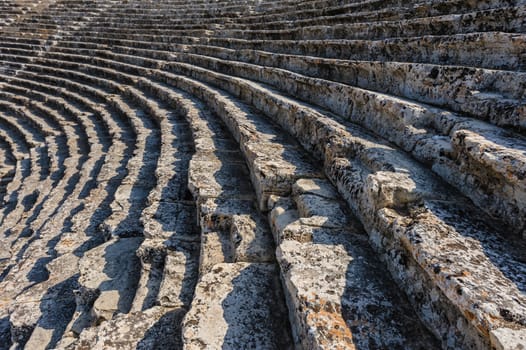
261 174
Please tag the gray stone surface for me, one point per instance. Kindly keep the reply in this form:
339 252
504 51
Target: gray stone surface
370 154
155 328
334 285
110 269
237 305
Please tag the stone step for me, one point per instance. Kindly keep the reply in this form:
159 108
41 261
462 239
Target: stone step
7 168
213 239
109 171
336 288
239 236
304 10
323 126
58 165
134 69
165 288
485 20
480 198
169 218
108 278
41 312
474 49
131 196
251 104
363 155
20 202
155 328
481 93
327 16
237 305
460 139
64 241
392 13
45 154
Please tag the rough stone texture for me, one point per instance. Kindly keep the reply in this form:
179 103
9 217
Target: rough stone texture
332 281
178 280
108 270
505 338
355 169
235 307
155 328
251 239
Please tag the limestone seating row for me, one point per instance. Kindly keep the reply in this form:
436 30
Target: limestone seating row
30 172
108 24
247 248
289 185
49 159
407 80
168 214
58 201
83 185
364 14
506 20
38 154
20 151
262 21
221 10
71 145
501 104
397 202
449 24
494 246
22 169
7 171
265 104
70 242
22 304
305 10
492 94
94 149
458 135
11 11
297 14
131 197
485 20
251 127
315 17
492 50
443 125
15 335
8 166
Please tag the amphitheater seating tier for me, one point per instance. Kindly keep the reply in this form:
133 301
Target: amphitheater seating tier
261 174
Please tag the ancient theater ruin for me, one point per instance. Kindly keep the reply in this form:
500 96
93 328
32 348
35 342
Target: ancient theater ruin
263 174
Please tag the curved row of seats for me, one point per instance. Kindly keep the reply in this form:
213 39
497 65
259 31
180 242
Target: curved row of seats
284 155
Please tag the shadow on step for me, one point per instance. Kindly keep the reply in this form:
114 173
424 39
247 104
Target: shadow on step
57 308
165 333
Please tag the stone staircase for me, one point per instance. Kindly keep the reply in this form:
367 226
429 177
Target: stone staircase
317 174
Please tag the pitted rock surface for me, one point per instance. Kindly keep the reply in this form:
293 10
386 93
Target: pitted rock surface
262 174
